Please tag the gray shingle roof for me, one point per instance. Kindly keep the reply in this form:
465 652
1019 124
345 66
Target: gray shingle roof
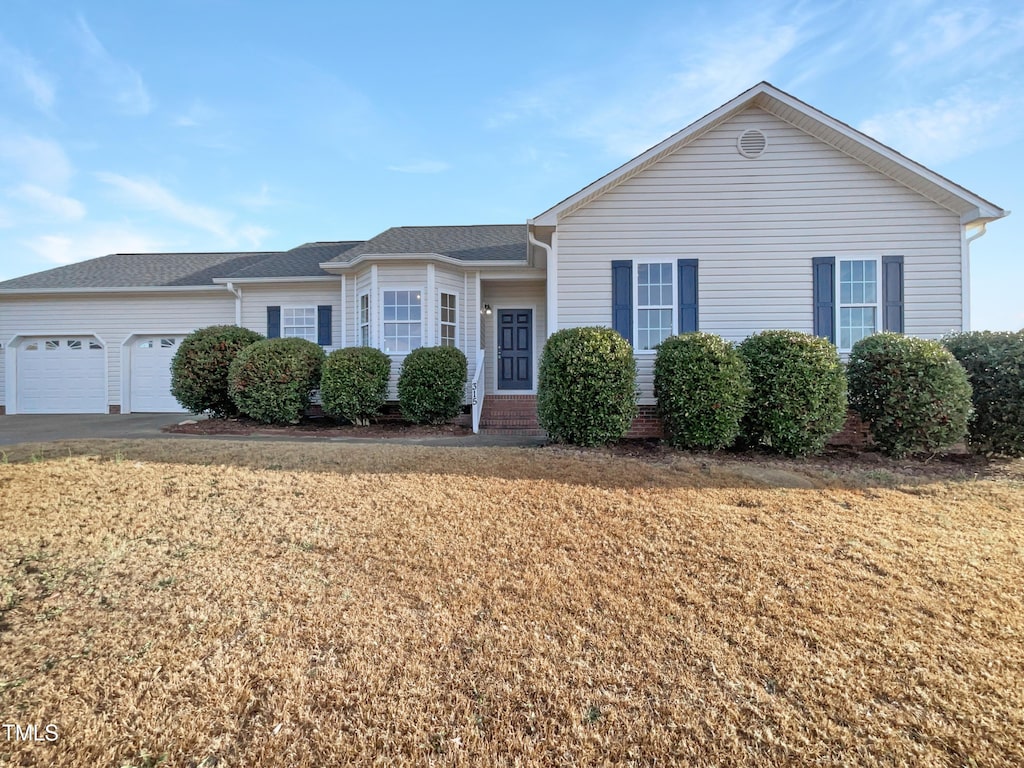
140 270
492 242
303 261
485 242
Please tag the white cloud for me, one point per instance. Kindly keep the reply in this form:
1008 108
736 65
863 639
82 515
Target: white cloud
196 115
956 39
946 129
149 195
36 161
28 75
262 199
98 240
49 202
421 166
637 105
124 84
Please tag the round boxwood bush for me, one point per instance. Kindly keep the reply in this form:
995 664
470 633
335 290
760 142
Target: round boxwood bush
271 380
586 386
354 383
199 370
995 366
432 385
798 392
702 387
912 393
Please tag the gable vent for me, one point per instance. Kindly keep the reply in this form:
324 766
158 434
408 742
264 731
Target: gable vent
752 143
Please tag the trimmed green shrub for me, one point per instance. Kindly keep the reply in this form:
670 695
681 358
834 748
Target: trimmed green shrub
912 393
432 385
199 370
702 388
271 380
798 392
586 386
354 383
995 366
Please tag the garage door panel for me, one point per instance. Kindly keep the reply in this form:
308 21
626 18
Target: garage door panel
60 374
151 374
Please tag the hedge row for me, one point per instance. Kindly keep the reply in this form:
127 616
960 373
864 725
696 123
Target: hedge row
227 370
788 391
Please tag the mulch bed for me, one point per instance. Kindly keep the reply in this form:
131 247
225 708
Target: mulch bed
316 427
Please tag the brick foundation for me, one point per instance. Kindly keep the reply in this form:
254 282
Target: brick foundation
114 410
3 410
854 433
646 424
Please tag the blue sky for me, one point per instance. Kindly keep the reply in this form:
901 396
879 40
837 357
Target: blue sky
227 125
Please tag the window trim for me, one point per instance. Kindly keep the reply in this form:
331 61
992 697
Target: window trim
441 322
839 305
674 272
304 307
422 323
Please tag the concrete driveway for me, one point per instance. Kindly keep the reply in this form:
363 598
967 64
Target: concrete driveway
24 428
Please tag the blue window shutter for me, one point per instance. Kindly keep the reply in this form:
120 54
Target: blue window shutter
622 299
892 293
273 322
323 325
824 270
689 316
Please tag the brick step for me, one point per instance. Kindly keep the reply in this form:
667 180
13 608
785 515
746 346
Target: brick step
514 431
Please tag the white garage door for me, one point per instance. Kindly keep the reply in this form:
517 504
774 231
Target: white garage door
61 374
151 374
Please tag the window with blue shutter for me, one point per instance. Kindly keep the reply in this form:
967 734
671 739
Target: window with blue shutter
689 315
323 325
273 322
622 299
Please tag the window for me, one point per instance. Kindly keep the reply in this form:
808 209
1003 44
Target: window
167 343
448 320
299 323
364 320
53 343
147 344
402 323
95 345
858 300
74 344
655 290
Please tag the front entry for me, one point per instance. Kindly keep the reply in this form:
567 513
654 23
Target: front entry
515 349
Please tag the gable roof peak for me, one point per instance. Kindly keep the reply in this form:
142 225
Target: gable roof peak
971 207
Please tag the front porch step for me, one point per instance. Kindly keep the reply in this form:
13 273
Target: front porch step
515 414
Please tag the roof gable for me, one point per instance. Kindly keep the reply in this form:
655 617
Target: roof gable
969 206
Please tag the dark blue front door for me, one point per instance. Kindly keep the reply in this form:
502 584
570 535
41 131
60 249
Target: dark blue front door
515 349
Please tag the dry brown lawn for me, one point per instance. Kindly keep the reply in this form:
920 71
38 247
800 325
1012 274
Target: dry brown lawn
215 603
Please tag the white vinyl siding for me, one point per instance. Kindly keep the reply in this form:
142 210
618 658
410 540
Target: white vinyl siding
755 225
113 318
